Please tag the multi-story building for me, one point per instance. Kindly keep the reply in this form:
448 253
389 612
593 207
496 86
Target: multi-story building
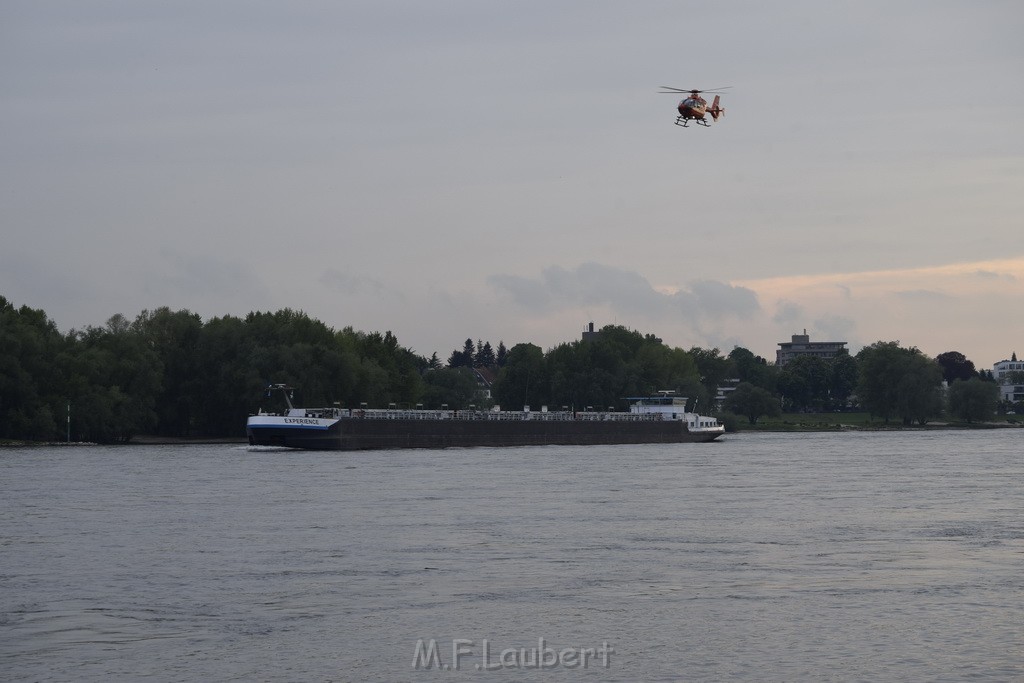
803 346
1008 373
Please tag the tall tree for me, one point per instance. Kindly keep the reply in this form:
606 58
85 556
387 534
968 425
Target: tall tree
174 337
115 380
752 402
894 381
523 380
233 372
804 383
955 366
463 358
753 369
842 378
713 368
878 374
455 388
920 393
33 390
973 400
485 355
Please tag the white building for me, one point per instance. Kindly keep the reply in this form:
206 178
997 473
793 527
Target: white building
1009 391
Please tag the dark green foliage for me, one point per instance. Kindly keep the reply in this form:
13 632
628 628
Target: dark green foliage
174 337
228 365
598 374
31 400
920 390
804 384
713 368
898 382
842 379
973 400
463 358
752 402
879 370
753 369
169 373
484 355
955 366
455 388
116 376
810 383
523 380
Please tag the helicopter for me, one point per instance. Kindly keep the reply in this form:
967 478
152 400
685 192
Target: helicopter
694 106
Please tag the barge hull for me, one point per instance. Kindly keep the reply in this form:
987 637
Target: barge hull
357 434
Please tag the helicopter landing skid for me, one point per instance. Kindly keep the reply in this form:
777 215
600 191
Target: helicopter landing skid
684 122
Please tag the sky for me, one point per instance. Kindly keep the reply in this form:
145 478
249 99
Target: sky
508 171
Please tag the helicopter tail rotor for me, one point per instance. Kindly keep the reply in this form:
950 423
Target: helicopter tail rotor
716 110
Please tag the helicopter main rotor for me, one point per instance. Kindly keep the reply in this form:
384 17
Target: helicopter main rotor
669 90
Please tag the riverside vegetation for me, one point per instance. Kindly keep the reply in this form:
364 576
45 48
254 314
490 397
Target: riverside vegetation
172 374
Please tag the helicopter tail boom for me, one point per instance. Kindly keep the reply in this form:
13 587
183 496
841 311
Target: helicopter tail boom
715 110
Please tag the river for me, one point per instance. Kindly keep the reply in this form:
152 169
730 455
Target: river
861 556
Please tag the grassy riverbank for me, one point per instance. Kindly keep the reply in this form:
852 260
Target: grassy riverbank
818 422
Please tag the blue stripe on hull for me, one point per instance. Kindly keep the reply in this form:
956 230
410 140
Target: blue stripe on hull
357 434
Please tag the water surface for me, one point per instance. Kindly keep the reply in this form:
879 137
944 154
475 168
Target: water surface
763 557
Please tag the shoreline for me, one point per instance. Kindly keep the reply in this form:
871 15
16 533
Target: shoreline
135 441
881 427
150 440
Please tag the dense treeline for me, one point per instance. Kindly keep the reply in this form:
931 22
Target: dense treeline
886 380
170 373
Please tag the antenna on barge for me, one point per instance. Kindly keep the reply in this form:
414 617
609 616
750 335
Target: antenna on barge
289 392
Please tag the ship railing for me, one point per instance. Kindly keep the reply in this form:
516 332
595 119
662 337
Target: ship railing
493 415
327 413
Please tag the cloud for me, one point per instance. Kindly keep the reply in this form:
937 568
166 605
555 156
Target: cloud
922 295
957 275
590 284
350 283
787 313
863 307
718 299
34 280
192 275
837 328
624 292
993 275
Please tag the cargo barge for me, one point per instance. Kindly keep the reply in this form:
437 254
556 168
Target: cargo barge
651 419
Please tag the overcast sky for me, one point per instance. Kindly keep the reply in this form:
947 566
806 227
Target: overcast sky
507 171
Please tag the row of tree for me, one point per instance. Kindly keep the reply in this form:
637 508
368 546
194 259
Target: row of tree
170 373
886 380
